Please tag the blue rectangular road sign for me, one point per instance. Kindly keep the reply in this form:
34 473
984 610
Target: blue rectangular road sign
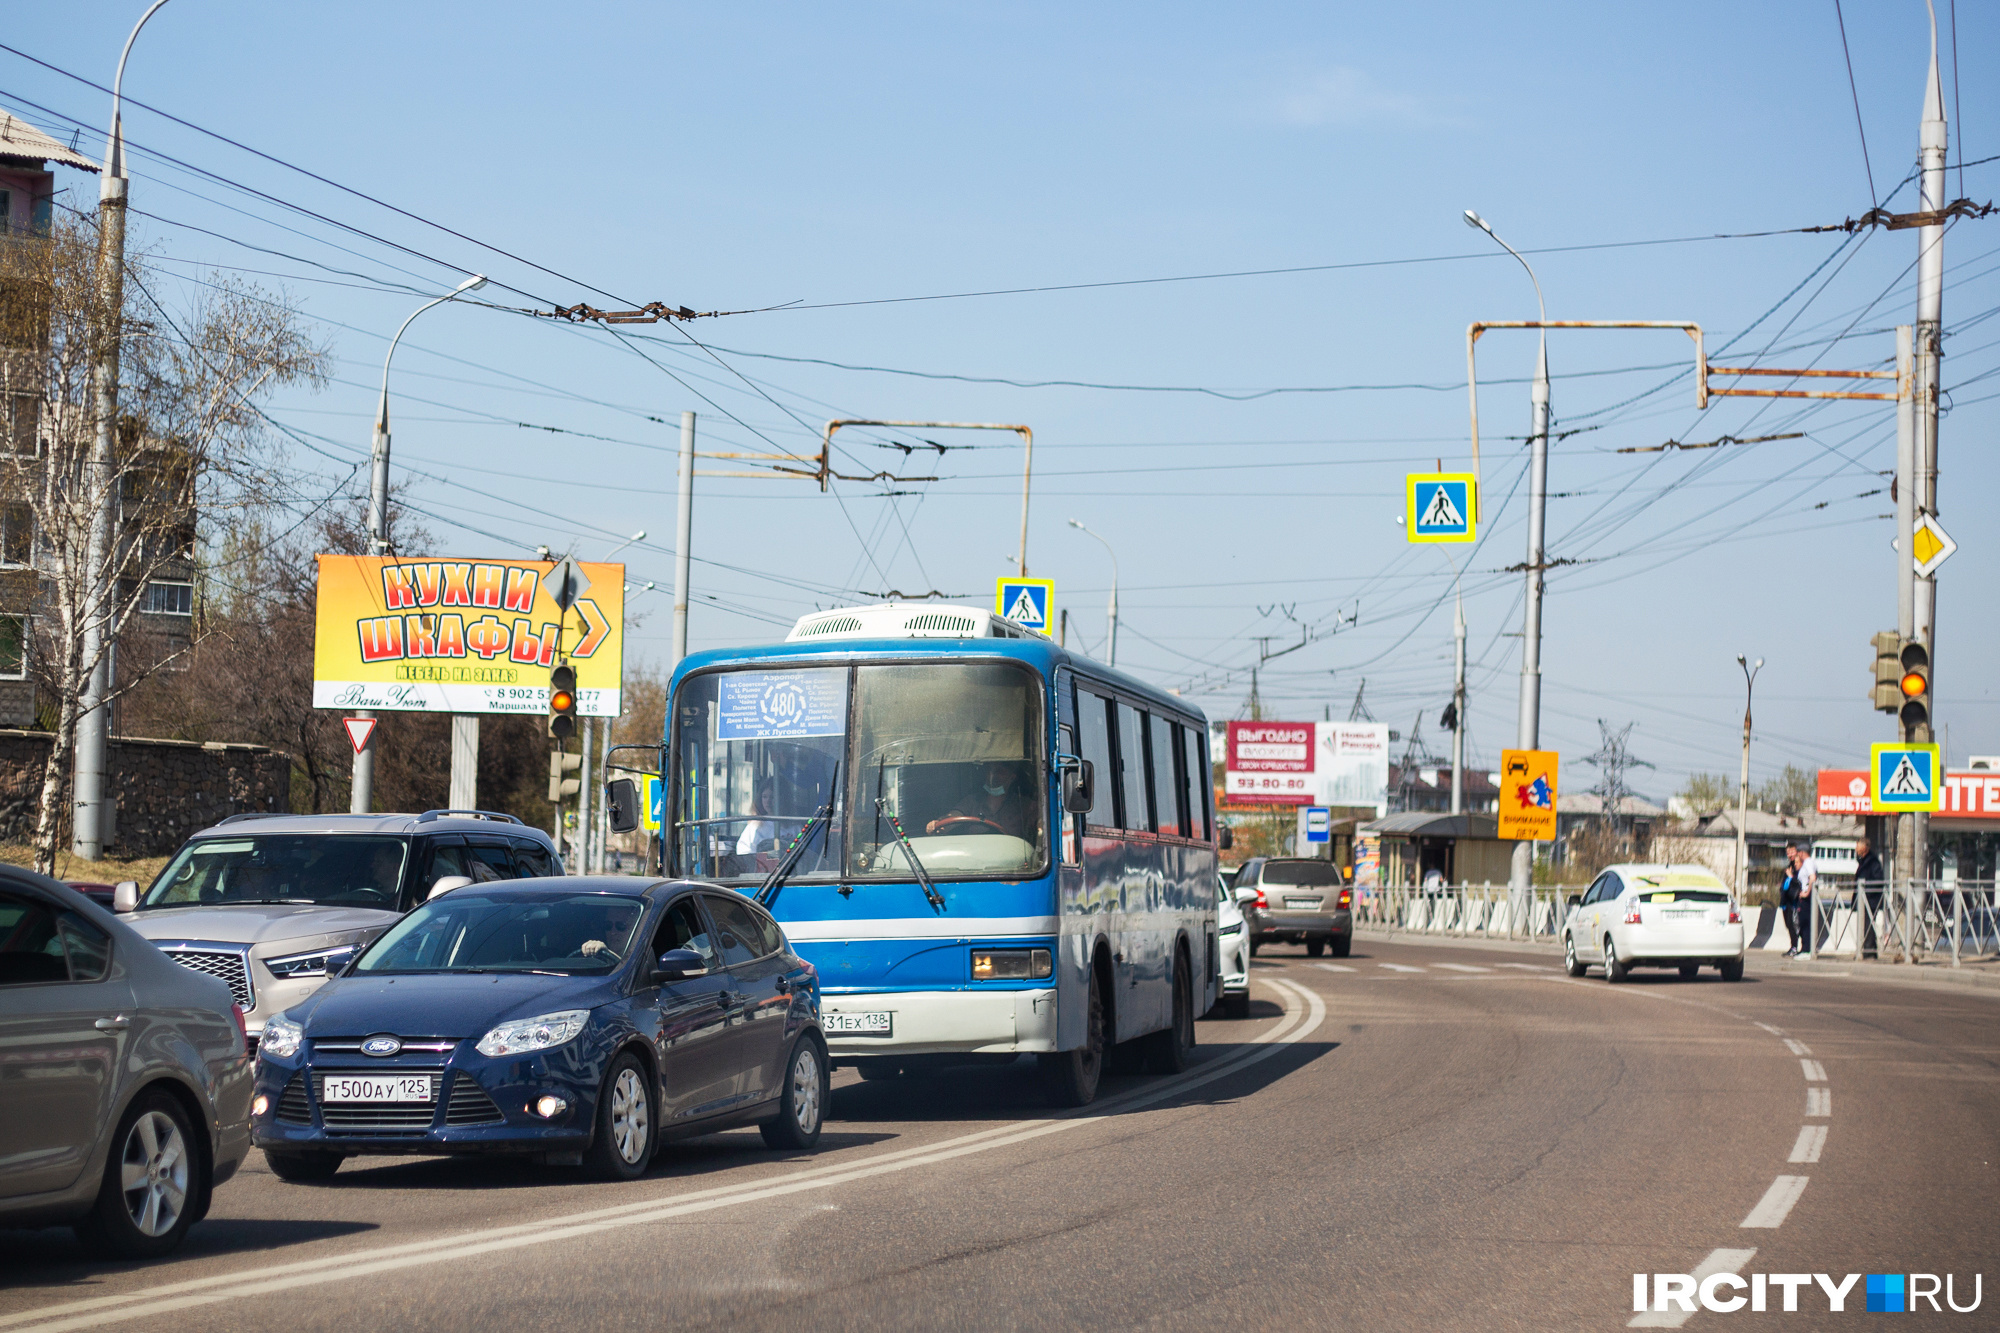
1319 823
1904 777
1026 602
1439 506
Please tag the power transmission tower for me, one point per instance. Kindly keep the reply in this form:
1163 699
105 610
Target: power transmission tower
1360 713
1612 760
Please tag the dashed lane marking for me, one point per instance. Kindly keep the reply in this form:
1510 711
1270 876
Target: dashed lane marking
1721 1261
1797 1047
1526 967
1776 1032
1772 1209
1819 1101
1332 967
1398 967
1815 1071
1462 967
1812 1138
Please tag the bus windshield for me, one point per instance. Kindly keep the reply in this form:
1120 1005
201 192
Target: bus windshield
950 753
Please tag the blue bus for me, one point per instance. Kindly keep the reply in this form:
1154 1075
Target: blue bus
986 845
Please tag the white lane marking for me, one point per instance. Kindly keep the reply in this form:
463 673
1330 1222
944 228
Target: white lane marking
1819 1101
1332 967
1815 1071
1777 1202
1526 967
1797 1047
1812 1138
1297 1023
1776 1032
1720 1261
1398 967
1462 967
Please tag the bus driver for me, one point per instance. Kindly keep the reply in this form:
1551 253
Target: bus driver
991 806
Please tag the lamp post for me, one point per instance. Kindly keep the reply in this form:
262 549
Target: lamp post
1529 733
89 827
464 727
1750 671
1111 612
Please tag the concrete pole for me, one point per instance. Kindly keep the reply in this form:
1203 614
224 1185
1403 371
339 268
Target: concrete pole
90 822
1932 141
1904 861
1027 474
1529 733
583 801
1743 781
1458 709
464 761
683 538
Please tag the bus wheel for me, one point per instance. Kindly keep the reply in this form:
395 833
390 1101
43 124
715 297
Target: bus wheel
1072 1076
1168 1051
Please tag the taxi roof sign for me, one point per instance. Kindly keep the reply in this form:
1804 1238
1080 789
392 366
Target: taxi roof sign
1441 506
1029 603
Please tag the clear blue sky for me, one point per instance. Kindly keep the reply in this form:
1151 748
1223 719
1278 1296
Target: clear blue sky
730 157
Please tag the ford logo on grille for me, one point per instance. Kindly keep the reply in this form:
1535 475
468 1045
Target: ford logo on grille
382 1046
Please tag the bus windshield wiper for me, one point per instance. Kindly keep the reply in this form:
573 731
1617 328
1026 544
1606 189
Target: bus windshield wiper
767 893
935 898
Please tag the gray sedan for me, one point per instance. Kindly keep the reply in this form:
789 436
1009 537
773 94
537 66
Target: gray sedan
125 1079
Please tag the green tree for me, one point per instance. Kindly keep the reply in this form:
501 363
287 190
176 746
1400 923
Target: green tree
1707 791
1795 791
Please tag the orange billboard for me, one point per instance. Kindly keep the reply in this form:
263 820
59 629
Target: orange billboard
463 636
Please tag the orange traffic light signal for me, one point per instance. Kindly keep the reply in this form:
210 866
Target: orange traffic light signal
562 702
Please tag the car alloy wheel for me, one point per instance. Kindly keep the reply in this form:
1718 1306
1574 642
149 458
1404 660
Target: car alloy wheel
802 1099
153 1173
805 1089
1613 969
631 1121
1571 963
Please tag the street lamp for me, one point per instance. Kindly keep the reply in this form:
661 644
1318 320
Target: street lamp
1529 733
464 729
1750 671
1111 612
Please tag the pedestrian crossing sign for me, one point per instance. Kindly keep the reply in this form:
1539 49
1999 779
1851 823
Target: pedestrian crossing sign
1904 777
651 801
1442 507
1029 603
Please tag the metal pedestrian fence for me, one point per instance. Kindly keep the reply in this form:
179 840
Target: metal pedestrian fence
1909 922
1464 911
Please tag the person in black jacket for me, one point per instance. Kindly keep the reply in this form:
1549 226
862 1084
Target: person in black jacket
1870 880
1790 890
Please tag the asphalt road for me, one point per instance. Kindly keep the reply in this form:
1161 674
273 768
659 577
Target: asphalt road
1412 1138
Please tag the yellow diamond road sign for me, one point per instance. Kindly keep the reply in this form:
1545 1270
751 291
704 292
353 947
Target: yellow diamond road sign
1929 545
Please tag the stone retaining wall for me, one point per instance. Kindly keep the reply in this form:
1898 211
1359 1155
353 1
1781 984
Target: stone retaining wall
164 790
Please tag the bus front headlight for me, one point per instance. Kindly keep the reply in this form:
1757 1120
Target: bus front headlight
1012 964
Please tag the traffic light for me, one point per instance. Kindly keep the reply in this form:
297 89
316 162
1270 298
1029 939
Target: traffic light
1888 671
562 702
1914 686
561 785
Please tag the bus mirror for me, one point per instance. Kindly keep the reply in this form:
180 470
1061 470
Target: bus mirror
621 801
1224 839
1079 784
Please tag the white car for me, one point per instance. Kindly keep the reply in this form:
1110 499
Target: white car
1678 916
1233 941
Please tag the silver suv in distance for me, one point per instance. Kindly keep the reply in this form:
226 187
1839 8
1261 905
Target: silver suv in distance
276 904
1299 900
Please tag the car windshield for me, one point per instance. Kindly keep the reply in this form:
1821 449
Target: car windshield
1316 874
470 931
333 869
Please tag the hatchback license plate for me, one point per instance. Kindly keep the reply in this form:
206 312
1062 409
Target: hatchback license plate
376 1088
1302 902
879 1023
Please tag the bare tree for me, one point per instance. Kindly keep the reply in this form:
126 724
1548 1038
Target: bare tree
192 449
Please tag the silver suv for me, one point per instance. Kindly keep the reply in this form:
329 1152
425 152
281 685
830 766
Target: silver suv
1296 899
276 904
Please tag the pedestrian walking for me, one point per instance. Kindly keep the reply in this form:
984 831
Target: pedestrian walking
1870 883
1788 899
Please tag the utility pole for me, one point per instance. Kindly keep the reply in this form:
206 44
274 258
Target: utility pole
1905 858
1458 709
683 538
1743 780
1932 139
93 722
1111 610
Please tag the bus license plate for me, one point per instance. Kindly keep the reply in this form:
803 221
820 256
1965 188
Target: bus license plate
879 1023
376 1088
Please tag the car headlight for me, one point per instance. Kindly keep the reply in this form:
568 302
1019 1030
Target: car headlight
534 1034
282 1038
1236 929
318 963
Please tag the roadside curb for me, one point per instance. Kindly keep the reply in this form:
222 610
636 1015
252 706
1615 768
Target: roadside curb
1924 976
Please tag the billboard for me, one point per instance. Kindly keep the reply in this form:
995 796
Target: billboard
462 636
1308 763
1844 791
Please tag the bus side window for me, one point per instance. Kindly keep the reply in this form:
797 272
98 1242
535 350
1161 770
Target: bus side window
1196 779
1166 790
1094 744
1133 814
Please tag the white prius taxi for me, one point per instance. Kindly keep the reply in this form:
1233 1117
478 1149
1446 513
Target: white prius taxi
1678 916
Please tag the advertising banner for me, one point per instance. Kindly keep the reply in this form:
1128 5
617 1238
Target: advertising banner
1308 763
462 636
1844 791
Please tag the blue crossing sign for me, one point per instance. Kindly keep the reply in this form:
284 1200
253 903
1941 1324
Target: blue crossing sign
1441 507
1029 603
1904 777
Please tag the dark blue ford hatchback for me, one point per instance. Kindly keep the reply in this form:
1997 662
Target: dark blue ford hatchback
582 1020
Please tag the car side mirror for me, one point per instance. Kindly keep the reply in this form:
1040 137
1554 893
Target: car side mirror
621 802
125 895
1246 895
1079 787
447 883
679 965
1574 901
1224 839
